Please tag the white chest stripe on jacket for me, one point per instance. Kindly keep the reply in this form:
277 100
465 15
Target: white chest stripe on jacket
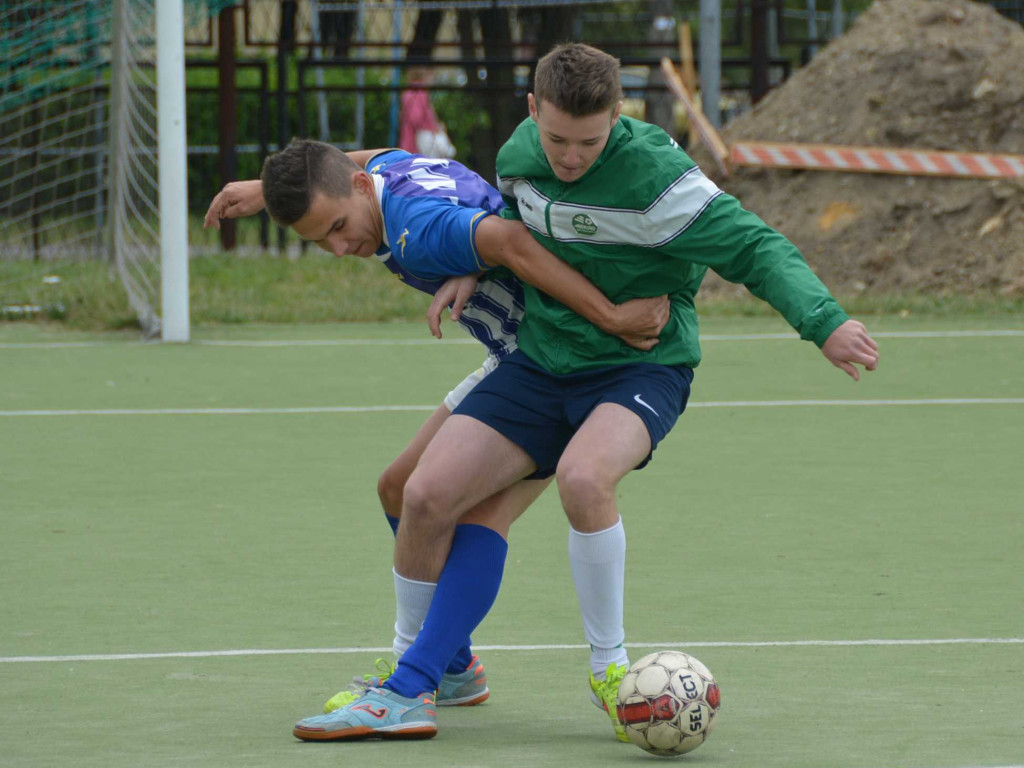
661 222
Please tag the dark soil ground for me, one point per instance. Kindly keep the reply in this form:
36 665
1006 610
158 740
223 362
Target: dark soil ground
933 74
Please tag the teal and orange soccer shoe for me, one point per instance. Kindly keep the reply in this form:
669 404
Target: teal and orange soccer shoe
376 714
464 689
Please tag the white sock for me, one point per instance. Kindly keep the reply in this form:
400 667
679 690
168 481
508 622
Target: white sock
412 600
598 562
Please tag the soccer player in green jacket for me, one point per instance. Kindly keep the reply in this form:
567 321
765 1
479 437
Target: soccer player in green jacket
618 200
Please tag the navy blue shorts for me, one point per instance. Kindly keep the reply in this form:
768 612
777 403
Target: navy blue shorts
541 411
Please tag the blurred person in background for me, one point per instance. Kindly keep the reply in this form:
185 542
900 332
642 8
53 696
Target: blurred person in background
421 132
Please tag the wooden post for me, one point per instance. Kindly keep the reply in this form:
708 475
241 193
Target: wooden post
689 74
758 50
707 132
227 95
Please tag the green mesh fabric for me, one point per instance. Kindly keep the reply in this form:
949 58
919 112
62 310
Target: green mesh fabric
51 46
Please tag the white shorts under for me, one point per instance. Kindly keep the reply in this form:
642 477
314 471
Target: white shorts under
453 398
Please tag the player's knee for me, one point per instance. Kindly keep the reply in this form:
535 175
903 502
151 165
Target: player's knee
424 505
582 485
390 489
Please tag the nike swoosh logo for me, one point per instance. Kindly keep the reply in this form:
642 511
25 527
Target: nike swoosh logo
645 405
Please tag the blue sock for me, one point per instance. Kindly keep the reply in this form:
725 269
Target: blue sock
461 661
464 656
465 593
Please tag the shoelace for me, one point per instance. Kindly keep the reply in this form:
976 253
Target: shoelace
610 685
384 667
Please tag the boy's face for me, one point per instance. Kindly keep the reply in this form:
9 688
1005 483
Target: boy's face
345 226
571 144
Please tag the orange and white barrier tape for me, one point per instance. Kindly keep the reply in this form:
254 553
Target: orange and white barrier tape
916 162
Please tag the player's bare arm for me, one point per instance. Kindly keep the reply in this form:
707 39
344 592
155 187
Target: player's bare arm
457 290
509 243
851 343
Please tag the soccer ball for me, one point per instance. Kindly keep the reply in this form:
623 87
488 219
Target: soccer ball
667 703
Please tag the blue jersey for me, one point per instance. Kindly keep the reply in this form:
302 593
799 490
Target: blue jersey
431 211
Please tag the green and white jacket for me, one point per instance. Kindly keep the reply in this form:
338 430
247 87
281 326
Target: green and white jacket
644 221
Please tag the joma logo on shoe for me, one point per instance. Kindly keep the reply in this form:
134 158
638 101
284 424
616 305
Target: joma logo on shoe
378 712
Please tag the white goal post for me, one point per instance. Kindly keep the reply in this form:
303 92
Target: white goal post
170 68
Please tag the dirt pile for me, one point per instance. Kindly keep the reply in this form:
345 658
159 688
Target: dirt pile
936 74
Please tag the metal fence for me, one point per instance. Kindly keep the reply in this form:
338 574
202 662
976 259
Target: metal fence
263 71
334 70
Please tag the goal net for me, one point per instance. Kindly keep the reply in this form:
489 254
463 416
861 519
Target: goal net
79 170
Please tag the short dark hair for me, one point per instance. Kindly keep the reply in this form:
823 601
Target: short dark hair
293 176
578 79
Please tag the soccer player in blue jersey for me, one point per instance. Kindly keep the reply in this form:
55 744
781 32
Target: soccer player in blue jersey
426 220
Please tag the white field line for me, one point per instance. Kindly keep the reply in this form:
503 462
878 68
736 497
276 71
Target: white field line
939 401
463 341
876 334
568 647
336 342
821 403
252 343
223 411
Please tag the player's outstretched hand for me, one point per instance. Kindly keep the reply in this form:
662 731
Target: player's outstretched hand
456 292
237 199
851 343
638 322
